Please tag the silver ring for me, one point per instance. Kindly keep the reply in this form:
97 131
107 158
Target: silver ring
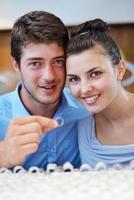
60 121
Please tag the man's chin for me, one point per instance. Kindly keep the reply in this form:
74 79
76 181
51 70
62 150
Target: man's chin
48 101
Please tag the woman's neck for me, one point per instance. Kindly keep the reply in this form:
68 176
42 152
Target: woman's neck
115 125
121 108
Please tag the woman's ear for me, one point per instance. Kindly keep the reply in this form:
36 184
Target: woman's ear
15 64
121 70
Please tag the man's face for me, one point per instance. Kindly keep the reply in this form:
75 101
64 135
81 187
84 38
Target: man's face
42 70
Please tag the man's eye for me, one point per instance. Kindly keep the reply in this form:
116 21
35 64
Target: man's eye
35 65
60 62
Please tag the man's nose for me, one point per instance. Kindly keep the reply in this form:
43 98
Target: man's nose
48 73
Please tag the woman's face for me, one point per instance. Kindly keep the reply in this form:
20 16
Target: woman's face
92 79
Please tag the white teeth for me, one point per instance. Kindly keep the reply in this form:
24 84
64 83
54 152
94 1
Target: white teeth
48 87
91 99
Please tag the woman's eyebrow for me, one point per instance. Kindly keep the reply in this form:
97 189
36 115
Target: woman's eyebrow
92 69
71 75
86 72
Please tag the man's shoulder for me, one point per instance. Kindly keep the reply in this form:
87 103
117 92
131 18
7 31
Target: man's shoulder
6 97
5 103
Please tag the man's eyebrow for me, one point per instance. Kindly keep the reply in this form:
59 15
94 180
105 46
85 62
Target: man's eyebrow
40 58
35 58
59 57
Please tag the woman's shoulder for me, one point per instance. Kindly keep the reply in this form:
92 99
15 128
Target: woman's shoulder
85 125
88 120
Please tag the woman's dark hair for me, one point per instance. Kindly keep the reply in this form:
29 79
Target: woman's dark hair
91 33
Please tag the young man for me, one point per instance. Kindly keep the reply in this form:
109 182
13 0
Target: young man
37 48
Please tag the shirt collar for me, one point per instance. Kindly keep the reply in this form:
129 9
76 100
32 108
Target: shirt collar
18 109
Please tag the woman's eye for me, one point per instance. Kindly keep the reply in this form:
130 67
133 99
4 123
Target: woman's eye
73 79
96 74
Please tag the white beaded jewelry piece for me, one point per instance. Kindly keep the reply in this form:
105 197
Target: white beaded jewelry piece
4 170
68 167
51 167
35 169
117 166
85 168
18 169
131 165
100 166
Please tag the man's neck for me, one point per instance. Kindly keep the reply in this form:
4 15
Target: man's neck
37 108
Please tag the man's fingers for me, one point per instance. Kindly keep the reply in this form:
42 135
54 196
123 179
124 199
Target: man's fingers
29 148
25 139
45 123
25 129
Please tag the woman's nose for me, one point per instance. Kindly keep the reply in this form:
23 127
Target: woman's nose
86 86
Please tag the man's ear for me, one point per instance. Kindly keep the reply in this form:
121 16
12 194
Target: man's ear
15 64
121 70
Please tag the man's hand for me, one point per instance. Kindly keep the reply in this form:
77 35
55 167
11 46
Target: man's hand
22 138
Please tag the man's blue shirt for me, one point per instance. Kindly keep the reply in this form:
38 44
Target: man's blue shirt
57 146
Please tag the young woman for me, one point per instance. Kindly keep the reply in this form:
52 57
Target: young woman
95 70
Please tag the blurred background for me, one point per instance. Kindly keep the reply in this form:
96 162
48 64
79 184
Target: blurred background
118 13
